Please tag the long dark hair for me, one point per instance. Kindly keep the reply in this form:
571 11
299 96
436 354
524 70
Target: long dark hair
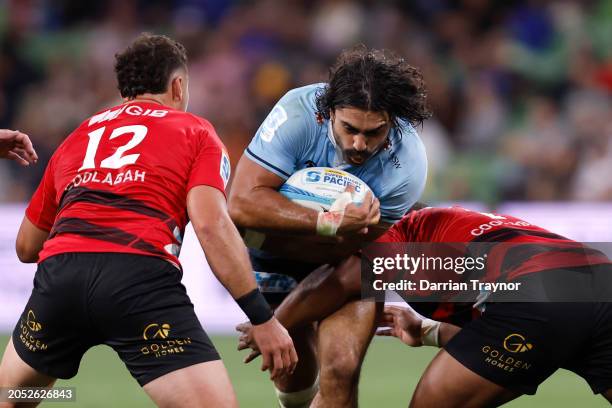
375 80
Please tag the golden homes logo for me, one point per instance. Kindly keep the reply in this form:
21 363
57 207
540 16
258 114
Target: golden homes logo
159 345
28 328
508 359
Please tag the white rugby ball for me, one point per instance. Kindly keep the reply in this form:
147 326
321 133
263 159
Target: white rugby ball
318 187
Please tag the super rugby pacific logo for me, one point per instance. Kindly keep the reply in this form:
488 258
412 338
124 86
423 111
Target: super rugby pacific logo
313 176
331 177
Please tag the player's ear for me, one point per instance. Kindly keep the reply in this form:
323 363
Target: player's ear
176 88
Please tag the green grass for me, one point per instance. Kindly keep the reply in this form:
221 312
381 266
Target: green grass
389 376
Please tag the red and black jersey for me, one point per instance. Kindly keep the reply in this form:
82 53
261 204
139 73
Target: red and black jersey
119 182
514 247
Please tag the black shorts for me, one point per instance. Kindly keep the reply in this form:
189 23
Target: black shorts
519 345
135 304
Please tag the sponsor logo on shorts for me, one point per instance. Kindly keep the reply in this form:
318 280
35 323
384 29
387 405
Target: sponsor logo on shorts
156 331
514 343
32 323
28 328
159 345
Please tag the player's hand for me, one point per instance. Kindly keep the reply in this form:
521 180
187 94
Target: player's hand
276 347
246 341
403 323
358 218
17 146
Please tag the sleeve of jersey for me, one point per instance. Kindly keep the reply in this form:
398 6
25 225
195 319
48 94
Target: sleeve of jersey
281 137
212 165
43 206
394 234
409 184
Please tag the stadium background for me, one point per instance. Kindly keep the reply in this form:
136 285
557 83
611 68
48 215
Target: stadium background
521 94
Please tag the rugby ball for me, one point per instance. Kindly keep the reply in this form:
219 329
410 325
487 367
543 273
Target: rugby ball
318 187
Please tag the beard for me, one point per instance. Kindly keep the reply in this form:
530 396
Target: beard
356 157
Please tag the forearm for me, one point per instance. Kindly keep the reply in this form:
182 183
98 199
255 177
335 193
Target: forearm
319 249
320 294
310 303
227 256
265 209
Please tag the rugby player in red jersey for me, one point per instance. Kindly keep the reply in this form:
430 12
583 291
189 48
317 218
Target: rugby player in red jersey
513 346
106 225
17 146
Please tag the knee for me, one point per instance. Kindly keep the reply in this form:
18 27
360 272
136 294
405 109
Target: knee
340 370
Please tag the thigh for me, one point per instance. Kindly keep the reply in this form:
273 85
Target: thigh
53 331
14 372
608 395
200 385
448 383
345 335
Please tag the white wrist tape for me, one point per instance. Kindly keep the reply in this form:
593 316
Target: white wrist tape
328 222
430 332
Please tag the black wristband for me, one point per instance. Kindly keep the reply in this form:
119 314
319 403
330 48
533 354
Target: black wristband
254 305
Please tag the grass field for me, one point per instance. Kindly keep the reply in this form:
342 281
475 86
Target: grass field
390 373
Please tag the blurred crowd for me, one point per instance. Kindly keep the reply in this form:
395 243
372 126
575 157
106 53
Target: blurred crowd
521 90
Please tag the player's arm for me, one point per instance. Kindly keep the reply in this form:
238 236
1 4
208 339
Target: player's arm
255 203
39 218
30 240
17 146
228 260
320 294
323 291
414 330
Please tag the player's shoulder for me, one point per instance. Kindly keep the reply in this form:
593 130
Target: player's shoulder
407 143
197 121
306 94
404 161
293 120
300 103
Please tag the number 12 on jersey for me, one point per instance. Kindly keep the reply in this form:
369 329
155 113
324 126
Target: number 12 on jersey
117 160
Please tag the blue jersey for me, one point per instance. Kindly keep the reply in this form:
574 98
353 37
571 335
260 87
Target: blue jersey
291 139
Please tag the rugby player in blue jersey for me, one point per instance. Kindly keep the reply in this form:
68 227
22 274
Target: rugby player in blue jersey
362 121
